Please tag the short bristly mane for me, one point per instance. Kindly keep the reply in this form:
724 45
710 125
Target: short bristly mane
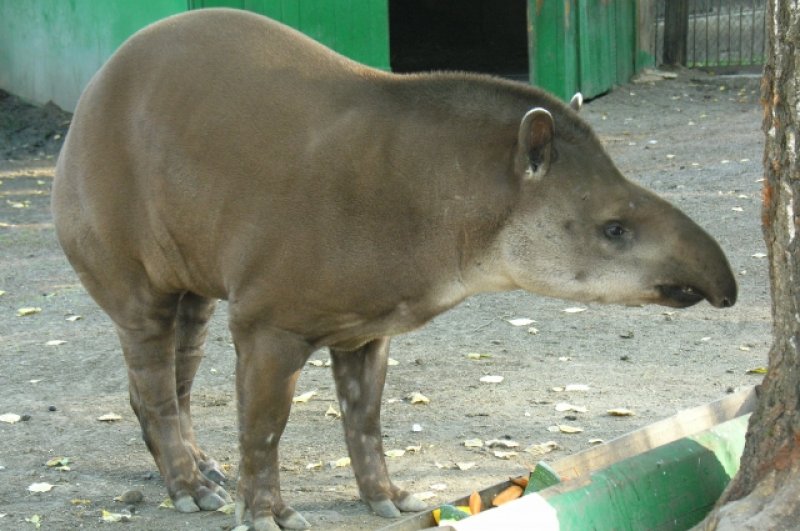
476 95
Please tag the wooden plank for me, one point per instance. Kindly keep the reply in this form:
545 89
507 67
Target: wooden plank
553 46
684 423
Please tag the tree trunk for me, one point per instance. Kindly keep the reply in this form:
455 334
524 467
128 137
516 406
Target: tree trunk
765 494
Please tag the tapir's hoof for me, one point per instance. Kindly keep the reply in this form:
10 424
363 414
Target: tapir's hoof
210 469
384 508
185 504
212 501
411 504
291 519
265 523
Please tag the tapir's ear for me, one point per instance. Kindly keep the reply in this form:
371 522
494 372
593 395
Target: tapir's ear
534 143
576 102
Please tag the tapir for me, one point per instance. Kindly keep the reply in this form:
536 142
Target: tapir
222 155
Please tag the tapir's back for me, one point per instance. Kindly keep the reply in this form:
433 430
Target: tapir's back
201 126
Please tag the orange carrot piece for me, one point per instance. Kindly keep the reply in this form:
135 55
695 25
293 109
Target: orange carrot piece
511 493
475 503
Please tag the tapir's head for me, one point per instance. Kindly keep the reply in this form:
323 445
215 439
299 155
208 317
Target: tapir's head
582 231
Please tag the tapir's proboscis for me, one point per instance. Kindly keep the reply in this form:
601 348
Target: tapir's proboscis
221 155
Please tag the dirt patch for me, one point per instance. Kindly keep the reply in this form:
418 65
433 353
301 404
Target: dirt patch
695 140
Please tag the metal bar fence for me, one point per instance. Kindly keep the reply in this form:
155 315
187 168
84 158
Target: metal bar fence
721 33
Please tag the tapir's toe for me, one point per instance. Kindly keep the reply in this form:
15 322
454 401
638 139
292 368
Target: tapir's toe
410 504
185 504
384 508
211 470
265 523
291 519
211 501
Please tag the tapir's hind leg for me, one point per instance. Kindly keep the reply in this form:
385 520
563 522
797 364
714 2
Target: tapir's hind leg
194 314
147 329
359 377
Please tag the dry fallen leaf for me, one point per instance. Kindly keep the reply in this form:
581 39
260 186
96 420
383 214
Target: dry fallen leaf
166 504
10 418
564 406
439 486
564 428
759 255
576 387
109 417
504 454
620 412
392 362
22 312
36 520
394 453
521 321
333 413
473 443
80 501
340 463
313 466
416 428
73 318
543 448
414 448
305 397
110 517
418 398
574 309
596 441
477 356
58 461
55 342
40 487
757 370
316 363
228 508
491 379
465 465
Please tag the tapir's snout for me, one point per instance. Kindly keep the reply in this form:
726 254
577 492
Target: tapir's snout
701 271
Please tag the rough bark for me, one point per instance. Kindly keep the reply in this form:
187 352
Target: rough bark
764 494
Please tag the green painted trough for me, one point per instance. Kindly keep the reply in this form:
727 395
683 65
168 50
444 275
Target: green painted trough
665 476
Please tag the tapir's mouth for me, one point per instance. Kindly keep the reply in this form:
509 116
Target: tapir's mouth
680 296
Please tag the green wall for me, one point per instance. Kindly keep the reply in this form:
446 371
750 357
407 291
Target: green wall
358 29
49 49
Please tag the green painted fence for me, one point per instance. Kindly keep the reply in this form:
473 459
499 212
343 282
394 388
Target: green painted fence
49 49
358 29
582 45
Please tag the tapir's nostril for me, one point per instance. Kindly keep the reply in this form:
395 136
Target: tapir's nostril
726 303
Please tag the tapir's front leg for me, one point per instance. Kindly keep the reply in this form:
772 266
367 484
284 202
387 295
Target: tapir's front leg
267 366
360 376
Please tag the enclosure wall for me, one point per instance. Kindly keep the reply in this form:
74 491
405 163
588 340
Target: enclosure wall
49 49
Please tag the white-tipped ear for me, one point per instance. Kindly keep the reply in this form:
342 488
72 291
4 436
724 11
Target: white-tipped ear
534 143
576 102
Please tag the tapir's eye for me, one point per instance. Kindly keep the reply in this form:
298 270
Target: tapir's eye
614 230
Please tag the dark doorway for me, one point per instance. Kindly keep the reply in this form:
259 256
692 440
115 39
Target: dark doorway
472 35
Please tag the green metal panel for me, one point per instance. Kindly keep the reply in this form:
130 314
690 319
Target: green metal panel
625 45
49 49
595 37
671 487
358 29
553 46
586 45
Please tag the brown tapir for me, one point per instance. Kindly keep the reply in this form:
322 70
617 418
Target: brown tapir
221 155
